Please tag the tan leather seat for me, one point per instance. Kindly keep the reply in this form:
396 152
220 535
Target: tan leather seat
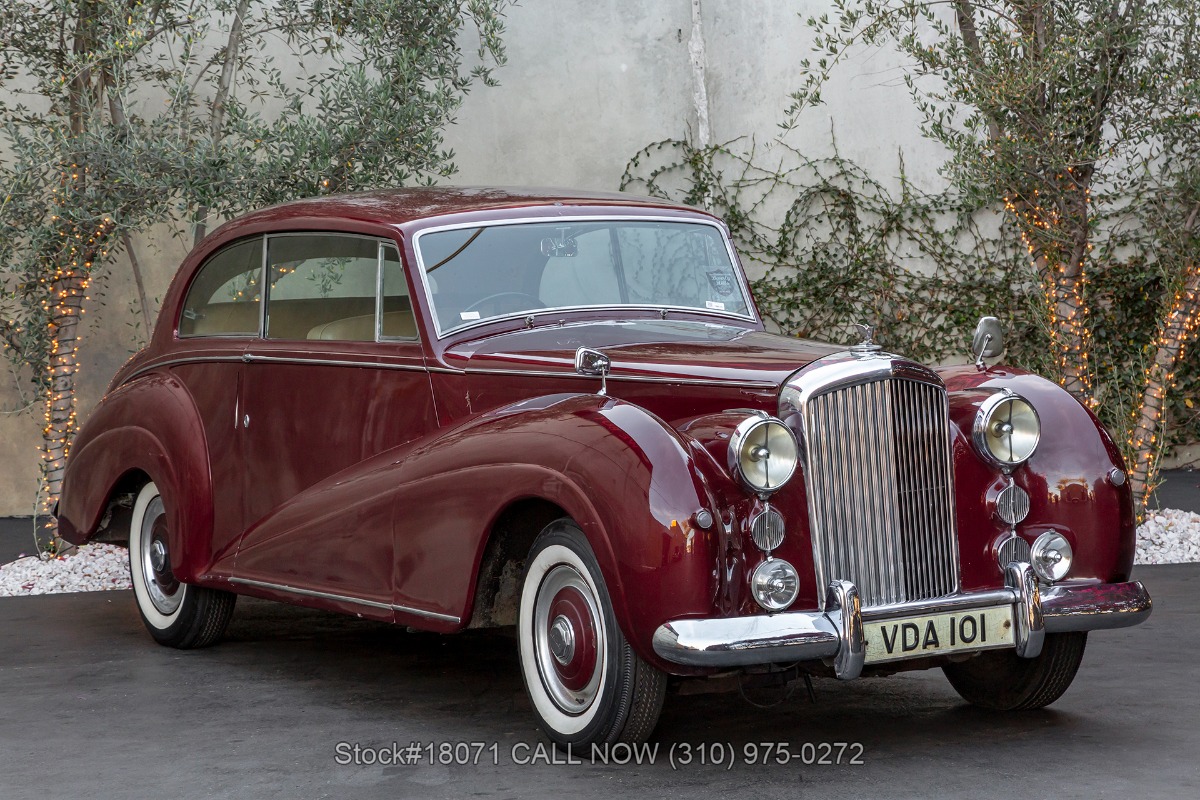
398 324
333 319
223 318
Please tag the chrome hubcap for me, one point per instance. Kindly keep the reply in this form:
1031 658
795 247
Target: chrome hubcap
158 555
569 639
562 640
164 591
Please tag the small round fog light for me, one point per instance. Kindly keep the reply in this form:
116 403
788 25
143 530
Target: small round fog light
775 584
1051 556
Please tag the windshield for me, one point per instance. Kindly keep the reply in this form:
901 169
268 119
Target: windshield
477 273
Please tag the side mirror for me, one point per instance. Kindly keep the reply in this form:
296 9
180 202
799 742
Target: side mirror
988 341
593 362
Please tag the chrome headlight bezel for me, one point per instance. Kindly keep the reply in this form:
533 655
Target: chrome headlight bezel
775 584
1052 556
982 432
769 433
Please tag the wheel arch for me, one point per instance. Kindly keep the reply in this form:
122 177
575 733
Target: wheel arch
145 431
497 587
624 476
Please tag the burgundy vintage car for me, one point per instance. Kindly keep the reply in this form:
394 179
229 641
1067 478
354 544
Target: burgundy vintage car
459 408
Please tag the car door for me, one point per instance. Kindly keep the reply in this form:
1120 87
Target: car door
221 317
338 379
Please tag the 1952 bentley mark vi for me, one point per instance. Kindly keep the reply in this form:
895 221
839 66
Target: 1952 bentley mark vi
453 408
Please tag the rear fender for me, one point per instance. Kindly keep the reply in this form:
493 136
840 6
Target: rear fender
150 426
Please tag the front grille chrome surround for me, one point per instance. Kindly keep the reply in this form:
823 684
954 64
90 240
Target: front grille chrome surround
876 450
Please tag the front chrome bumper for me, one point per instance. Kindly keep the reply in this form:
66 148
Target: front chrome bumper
837 633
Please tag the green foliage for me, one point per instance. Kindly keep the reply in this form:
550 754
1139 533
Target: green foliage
1020 91
834 246
119 114
1082 118
142 113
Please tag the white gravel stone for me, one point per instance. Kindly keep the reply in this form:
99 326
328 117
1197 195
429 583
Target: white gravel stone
1168 536
91 568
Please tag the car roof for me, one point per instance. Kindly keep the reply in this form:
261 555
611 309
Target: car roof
399 206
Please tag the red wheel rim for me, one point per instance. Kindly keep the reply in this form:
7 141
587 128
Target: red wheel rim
575 661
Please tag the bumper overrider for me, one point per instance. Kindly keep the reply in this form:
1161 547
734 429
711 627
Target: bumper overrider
836 634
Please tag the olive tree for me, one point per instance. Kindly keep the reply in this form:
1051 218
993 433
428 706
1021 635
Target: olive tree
118 114
1079 119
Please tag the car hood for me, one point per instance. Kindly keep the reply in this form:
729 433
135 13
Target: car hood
669 350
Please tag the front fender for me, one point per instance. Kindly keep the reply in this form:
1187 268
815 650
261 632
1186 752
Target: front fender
626 477
149 426
1067 480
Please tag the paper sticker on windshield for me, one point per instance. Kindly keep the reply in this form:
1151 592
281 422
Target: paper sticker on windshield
713 305
722 282
465 315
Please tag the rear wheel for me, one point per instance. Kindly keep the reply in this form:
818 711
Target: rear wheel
1001 681
176 614
584 680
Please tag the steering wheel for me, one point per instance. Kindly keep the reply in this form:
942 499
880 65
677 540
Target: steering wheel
537 303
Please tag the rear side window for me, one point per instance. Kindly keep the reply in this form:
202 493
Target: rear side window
319 286
225 299
323 286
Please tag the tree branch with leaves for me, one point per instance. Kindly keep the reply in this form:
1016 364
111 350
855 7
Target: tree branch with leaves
1059 112
95 155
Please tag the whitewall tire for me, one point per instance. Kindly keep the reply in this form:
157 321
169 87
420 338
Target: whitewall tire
175 613
584 681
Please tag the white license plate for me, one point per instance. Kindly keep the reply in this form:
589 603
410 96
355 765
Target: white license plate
937 634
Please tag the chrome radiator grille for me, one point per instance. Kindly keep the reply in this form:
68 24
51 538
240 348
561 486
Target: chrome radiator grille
880 490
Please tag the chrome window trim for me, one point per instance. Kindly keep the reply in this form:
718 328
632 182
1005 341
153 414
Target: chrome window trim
720 228
262 302
379 337
379 291
266 311
342 598
262 271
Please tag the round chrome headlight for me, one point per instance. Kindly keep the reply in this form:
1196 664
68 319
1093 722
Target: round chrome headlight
775 584
1051 556
763 453
1007 429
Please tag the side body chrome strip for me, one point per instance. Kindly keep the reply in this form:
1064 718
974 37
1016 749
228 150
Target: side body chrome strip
341 598
183 360
329 362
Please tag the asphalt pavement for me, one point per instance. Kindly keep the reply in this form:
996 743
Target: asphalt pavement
16 538
1180 488
91 707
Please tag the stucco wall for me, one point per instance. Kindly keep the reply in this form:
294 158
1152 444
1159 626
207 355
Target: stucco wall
588 84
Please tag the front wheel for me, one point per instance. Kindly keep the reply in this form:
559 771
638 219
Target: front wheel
176 614
586 684
1002 681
